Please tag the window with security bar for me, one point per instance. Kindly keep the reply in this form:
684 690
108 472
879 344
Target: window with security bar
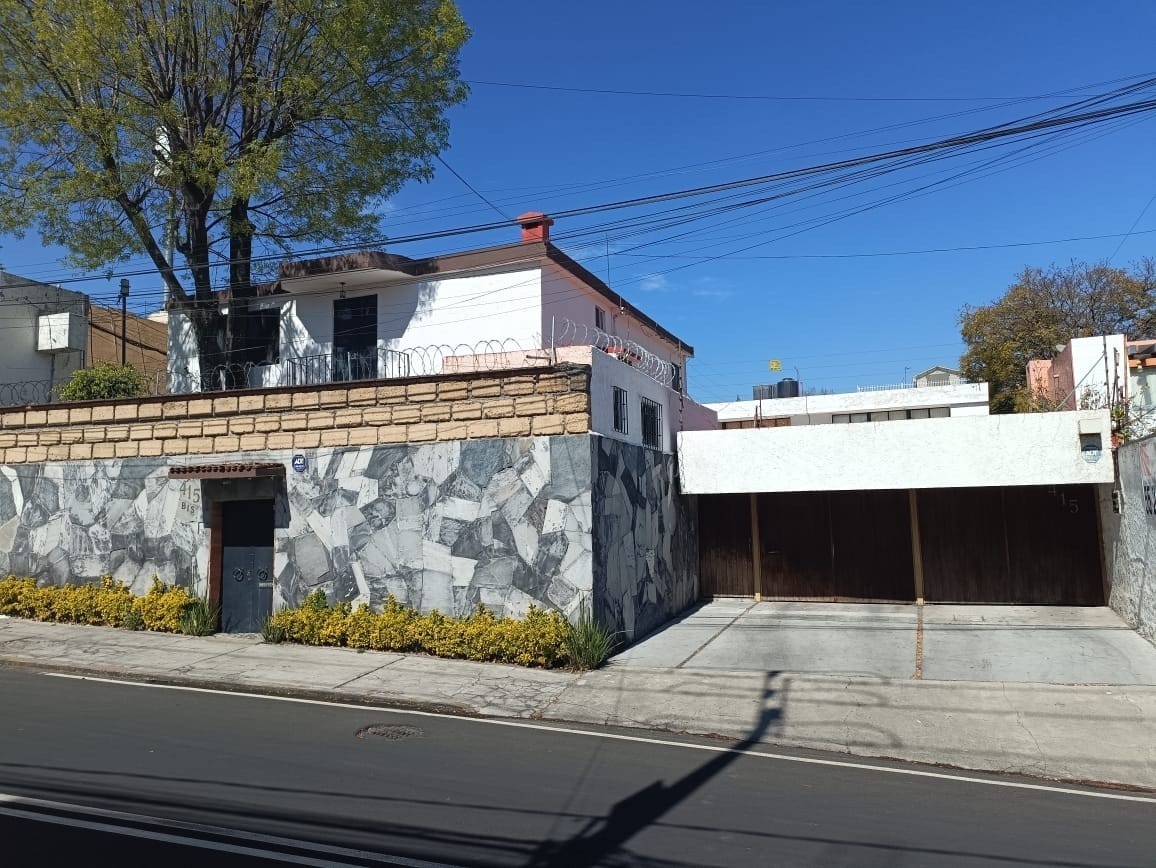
621 411
651 424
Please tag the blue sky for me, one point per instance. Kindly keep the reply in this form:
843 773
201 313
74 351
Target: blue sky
841 321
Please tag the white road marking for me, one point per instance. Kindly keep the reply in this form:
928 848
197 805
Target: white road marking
614 736
107 821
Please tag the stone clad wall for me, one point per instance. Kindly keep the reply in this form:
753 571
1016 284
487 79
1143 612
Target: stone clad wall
645 539
512 403
1130 537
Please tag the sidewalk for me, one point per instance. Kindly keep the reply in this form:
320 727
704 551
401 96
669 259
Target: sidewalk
1066 732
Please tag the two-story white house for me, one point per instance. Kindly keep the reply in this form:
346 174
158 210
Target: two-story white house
374 315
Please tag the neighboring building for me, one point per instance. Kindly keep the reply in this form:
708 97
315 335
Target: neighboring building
938 376
51 332
868 405
1101 371
373 316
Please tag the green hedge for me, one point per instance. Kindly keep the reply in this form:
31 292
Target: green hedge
539 639
108 604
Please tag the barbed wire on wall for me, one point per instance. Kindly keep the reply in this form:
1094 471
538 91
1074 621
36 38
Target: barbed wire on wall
568 333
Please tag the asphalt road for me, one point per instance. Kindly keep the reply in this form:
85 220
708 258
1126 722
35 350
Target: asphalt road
138 775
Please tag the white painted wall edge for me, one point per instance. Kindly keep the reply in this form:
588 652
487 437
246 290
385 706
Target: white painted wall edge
961 452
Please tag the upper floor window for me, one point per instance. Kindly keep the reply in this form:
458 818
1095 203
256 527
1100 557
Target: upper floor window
599 318
676 377
621 411
651 424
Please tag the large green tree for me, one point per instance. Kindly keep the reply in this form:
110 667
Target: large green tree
1044 309
261 125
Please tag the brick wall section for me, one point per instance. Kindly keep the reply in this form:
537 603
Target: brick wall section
513 403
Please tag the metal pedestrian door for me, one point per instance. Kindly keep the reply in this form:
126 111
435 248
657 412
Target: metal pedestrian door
246 565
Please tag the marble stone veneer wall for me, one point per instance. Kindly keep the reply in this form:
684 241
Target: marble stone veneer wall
556 521
645 539
1130 537
501 403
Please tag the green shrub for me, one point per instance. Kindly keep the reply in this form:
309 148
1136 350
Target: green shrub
199 618
104 382
588 643
539 639
272 632
108 604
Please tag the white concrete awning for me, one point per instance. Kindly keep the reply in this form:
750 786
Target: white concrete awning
960 452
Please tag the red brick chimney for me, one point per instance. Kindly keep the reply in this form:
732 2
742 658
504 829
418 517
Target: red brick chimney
535 226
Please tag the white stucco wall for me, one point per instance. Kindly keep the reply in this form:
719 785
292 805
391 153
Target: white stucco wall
679 413
1026 449
20 362
565 297
964 399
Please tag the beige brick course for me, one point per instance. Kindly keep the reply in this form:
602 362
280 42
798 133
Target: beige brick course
57 453
227 443
498 408
80 451
406 413
103 413
35 417
452 430
37 453
214 427
577 423
12 420
436 412
391 434
127 449
58 417
553 424
294 422
115 433
125 412
104 450
242 425
150 448
250 403
28 438
150 411
535 405
362 436
333 398
454 390
482 428
189 429
266 423
485 388
279 401
422 432
71 435
515 427
321 419
16 455
48 438
362 396
467 410
200 444
175 409
390 394
347 418
7 440
518 386
551 383
140 432
377 416
93 435
225 406
279 441
201 407
571 403
252 442
335 437
79 415
175 447
421 392
304 401
306 439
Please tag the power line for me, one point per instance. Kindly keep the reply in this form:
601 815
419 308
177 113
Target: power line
1132 230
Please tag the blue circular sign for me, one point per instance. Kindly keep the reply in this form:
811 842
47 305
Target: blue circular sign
299 463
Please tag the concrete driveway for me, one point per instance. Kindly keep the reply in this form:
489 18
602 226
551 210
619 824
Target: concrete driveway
1041 644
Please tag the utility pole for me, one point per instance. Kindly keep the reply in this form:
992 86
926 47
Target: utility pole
124 321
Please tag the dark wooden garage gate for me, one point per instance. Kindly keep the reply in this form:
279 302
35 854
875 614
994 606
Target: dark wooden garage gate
1031 545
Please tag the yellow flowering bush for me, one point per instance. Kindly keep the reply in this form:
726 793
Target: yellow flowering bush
108 604
539 639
